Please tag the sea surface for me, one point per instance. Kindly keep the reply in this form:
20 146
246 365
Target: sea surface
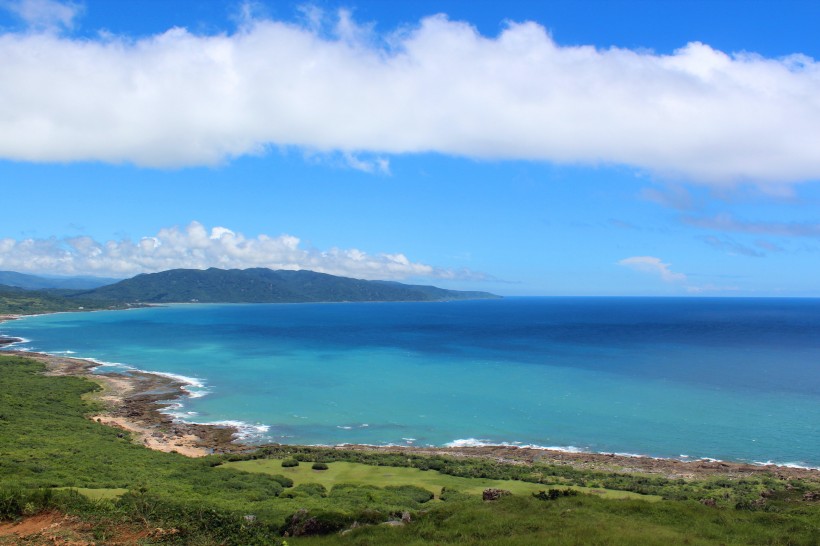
729 379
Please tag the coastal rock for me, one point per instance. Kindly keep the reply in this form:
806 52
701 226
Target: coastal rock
492 494
812 496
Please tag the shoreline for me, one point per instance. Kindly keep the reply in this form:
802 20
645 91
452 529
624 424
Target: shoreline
135 401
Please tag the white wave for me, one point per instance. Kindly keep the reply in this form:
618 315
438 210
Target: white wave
800 465
344 427
187 381
468 442
244 431
192 386
14 344
473 442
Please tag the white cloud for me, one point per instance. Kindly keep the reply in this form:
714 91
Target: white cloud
652 265
378 165
44 15
179 98
195 247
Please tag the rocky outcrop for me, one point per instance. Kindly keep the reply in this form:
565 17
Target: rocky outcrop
492 494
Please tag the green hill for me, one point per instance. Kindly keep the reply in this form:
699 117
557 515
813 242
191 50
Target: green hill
17 301
261 285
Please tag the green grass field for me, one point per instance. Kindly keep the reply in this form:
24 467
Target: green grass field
431 480
97 494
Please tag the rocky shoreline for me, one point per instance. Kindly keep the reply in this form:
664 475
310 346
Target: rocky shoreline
135 402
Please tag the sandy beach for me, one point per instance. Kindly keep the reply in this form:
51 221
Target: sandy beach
135 401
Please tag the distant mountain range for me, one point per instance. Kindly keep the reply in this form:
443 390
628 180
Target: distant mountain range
261 285
37 282
26 294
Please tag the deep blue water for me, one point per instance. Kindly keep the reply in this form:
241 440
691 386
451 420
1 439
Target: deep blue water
734 379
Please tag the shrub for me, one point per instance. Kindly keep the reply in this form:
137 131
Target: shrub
287 463
284 481
307 490
303 523
319 466
553 494
410 493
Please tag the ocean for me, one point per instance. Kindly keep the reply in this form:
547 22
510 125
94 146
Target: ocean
688 378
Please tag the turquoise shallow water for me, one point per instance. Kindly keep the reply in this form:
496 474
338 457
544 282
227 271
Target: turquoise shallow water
729 379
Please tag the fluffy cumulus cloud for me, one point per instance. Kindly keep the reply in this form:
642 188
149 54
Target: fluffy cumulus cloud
653 265
196 247
180 98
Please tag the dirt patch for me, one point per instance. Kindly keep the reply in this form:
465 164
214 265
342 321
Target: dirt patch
57 529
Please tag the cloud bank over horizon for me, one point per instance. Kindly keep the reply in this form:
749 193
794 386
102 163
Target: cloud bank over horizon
195 247
331 85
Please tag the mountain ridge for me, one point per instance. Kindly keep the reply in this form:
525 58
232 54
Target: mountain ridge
27 281
262 285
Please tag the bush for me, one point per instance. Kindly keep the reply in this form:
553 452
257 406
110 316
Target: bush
303 523
410 493
319 466
287 463
553 494
284 481
306 490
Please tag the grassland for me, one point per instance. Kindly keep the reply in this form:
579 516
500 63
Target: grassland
342 472
54 460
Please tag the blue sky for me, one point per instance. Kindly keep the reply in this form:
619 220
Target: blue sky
525 148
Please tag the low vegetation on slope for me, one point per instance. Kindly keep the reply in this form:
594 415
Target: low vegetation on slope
17 301
56 462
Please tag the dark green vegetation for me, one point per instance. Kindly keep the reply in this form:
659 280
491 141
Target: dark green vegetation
264 286
33 295
47 445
